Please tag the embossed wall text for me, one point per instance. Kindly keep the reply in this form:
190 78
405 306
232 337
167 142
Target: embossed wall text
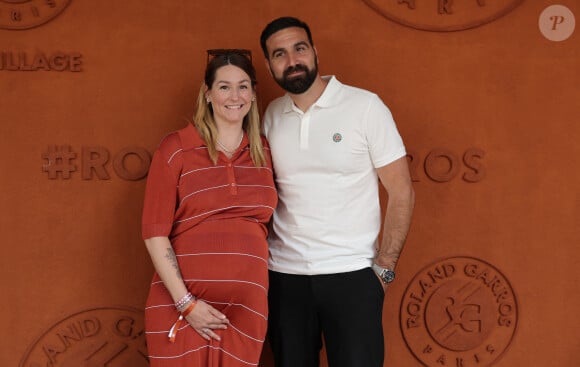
443 165
55 61
439 165
130 163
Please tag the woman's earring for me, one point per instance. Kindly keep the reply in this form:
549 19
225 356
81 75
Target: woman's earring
207 100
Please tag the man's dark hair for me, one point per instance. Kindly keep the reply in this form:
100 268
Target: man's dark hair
279 24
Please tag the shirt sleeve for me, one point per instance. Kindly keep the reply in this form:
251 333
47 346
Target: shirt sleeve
160 200
267 121
385 142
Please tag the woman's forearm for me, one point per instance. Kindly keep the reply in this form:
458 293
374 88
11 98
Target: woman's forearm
166 266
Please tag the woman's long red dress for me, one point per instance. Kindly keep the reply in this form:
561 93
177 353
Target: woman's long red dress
215 217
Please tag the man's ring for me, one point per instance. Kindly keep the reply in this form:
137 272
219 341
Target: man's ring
205 330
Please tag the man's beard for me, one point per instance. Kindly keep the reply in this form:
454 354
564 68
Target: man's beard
299 84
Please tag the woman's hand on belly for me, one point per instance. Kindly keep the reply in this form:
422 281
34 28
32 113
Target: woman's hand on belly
205 319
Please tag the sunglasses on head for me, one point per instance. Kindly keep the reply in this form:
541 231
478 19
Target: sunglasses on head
215 52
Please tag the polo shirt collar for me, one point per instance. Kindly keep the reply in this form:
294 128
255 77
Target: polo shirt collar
326 99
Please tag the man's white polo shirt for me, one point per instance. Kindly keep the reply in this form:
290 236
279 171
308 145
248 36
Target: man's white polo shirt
328 216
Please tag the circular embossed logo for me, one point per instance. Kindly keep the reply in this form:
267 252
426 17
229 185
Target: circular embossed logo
99 337
460 311
25 14
442 15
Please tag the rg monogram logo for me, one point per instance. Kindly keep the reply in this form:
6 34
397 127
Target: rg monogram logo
459 311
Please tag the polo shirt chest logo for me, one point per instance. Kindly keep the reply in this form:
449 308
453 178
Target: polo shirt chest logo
337 137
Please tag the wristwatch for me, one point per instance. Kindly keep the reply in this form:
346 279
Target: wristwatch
385 274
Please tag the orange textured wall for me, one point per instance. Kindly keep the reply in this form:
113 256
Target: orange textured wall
489 114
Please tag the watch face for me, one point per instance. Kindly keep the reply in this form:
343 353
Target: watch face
388 276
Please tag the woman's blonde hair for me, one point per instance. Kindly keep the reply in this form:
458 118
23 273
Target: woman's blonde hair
203 118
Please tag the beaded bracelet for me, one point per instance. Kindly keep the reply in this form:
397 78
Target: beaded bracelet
180 305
